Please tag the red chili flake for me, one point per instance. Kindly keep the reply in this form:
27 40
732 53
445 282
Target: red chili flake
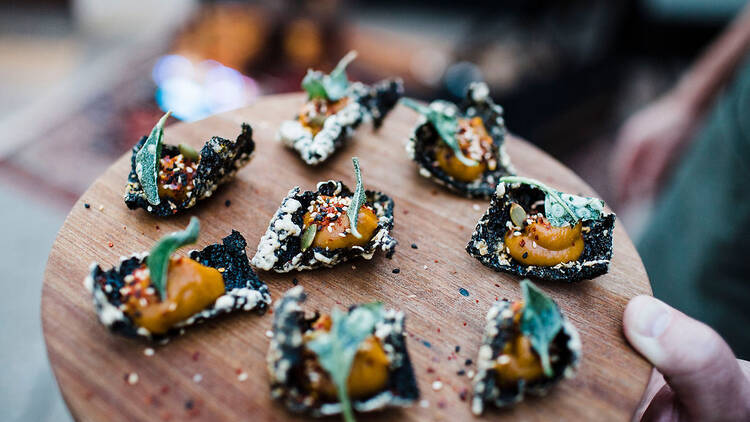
496 299
196 355
477 300
124 227
464 324
238 371
462 394
497 285
436 261
164 389
157 227
270 311
111 244
438 330
406 211
430 370
522 243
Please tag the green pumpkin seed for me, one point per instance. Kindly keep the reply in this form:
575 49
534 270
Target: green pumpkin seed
308 236
517 215
189 152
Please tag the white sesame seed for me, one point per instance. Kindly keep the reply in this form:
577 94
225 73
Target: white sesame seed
242 376
197 378
148 351
424 266
424 403
101 207
269 333
437 385
133 378
470 374
476 207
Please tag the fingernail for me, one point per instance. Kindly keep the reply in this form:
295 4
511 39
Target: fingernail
653 318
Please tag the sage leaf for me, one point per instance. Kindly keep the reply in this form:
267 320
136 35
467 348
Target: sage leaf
540 322
560 208
189 152
147 161
358 199
158 258
308 236
337 348
333 86
445 123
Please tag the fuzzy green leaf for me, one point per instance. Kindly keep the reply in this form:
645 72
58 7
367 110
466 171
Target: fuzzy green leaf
560 208
540 322
158 258
358 199
332 87
445 123
308 236
337 348
147 161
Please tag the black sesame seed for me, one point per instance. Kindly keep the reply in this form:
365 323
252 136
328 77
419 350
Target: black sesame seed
414 246
468 362
396 271
86 205
461 372
525 255
295 281
189 404
227 203
458 349
463 292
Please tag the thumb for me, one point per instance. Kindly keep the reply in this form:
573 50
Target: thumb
697 364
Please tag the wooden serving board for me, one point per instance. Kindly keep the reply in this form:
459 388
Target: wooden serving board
197 376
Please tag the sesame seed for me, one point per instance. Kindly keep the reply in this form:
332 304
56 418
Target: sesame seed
396 271
242 376
424 404
414 246
132 378
269 333
148 351
476 207
101 207
424 266
197 378
437 385
86 205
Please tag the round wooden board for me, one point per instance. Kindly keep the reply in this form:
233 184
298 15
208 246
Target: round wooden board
91 364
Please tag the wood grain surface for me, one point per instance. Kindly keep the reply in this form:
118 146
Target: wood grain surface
197 376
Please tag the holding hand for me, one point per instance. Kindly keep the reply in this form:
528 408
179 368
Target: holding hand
698 377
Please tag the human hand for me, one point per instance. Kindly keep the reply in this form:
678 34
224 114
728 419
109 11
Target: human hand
698 378
648 142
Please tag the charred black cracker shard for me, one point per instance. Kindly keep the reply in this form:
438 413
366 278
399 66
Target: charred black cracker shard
243 290
487 241
219 161
280 247
500 328
365 103
285 352
422 142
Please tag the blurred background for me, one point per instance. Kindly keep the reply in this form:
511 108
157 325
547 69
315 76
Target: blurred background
82 80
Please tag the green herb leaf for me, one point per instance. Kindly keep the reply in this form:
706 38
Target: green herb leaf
147 161
446 124
540 322
332 87
158 258
358 199
308 236
560 208
189 152
337 348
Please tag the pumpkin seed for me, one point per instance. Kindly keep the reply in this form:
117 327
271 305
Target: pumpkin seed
517 214
189 152
308 236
